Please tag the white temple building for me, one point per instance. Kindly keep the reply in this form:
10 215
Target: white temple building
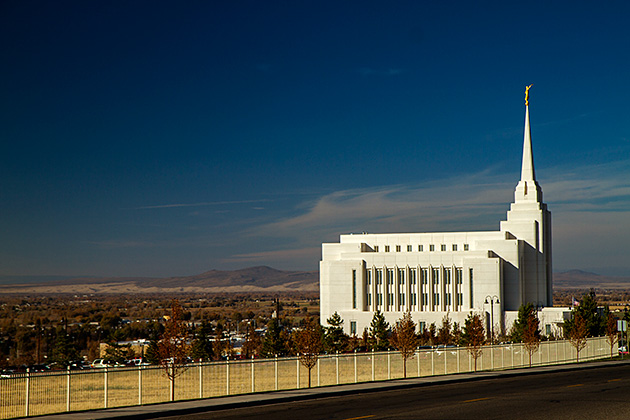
433 275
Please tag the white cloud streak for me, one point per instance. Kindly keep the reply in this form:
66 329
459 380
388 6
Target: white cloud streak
588 204
211 203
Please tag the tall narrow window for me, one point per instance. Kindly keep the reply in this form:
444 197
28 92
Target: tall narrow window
409 248
354 289
397 248
386 248
442 247
353 327
420 248
471 288
454 247
431 247
368 281
379 286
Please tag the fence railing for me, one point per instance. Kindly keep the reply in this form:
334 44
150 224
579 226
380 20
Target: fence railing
32 394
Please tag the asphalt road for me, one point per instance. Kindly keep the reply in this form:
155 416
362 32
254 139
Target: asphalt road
601 393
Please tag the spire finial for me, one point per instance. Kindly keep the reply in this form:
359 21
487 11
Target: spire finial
527 88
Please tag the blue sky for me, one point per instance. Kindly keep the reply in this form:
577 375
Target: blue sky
158 138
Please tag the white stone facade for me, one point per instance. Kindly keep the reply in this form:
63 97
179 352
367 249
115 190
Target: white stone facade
448 273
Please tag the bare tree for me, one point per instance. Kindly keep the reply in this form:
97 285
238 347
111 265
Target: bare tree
577 334
404 338
308 345
612 335
531 334
474 336
173 346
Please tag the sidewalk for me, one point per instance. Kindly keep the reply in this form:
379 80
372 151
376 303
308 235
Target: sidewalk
248 400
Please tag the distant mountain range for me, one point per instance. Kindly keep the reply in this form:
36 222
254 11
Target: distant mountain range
583 279
253 279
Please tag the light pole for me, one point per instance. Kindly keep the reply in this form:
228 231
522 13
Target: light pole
492 300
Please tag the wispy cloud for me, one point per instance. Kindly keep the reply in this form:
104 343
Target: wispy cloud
282 256
210 203
590 204
115 244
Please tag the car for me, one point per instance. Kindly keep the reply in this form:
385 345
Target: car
101 363
138 361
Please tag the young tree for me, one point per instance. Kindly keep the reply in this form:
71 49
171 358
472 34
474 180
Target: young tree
253 343
612 335
334 339
457 334
173 347
531 335
308 345
474 336
379 332
444 335
577 332
404 339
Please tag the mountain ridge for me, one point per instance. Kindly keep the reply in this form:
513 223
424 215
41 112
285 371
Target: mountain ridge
246 280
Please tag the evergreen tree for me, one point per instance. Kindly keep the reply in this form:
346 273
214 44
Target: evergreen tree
335 339
202 349
63 351
594 323
274 342
379 332
525 311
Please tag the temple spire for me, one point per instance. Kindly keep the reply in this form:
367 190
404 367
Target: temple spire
527 169
527 189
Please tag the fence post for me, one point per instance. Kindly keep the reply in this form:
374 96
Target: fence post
253 376
140 384
373 365
227 376
297 370
200 379
491 357
105 386
389 364
418 357
318 383
356 376
28 391
276 369
522 361
432 362
68 388
445 355
512 351
458 349
337 365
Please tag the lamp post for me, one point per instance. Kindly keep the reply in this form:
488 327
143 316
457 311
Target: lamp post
492 300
